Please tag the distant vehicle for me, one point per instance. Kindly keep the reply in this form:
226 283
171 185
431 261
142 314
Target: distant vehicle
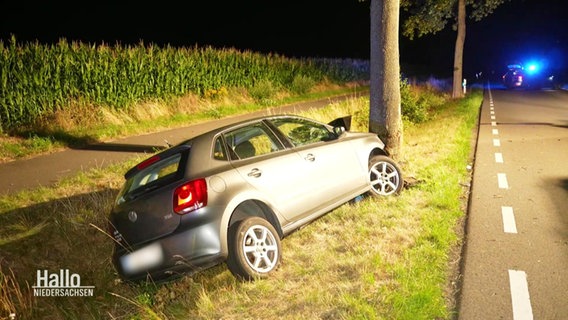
514 76
533 76
231 194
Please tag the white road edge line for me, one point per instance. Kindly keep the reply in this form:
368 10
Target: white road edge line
509 224
520 298
502 179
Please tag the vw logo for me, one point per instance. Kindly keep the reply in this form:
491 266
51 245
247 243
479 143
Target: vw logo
132 216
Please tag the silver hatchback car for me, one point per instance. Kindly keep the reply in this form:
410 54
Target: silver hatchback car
231 194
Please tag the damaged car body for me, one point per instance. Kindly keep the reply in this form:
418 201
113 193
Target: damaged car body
232 194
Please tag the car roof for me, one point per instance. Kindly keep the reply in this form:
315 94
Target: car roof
266 117
241 122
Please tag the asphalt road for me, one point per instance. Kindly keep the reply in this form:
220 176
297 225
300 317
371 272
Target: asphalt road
516 252
45 170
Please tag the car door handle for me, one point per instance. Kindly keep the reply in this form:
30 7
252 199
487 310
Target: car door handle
310 157
255 173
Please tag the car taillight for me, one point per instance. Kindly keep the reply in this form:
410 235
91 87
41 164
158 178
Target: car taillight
190 196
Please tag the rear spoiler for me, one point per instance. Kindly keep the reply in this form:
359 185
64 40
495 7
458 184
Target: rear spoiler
156 158
344 122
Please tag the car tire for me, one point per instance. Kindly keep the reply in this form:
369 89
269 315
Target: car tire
254 249
385 176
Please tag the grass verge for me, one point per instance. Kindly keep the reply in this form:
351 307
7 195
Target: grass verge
391 258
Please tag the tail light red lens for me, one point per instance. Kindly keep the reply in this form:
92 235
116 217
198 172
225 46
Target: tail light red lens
190 196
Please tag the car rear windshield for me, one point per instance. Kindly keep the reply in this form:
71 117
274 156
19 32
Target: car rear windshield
151 177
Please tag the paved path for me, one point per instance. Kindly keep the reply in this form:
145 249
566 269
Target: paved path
47 169
516 249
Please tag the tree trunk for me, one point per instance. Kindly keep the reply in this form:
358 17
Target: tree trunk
458 53
384 112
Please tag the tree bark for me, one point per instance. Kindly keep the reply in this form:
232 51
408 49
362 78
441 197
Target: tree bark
458 52
385 111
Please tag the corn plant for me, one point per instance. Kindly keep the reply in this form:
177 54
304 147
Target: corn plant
39 79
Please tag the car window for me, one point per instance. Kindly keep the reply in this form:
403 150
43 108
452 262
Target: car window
250 141
218 150
153 175
301 132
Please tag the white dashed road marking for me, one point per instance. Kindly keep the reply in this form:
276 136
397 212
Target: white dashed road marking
509 225
499 157
520 298
502 180
522 309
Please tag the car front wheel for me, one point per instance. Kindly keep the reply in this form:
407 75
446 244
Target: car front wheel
385 176
254 249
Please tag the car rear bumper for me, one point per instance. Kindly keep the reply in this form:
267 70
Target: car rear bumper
184 252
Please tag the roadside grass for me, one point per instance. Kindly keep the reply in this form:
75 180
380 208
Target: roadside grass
378 258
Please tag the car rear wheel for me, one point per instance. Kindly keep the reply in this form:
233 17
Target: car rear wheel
254 249
385 176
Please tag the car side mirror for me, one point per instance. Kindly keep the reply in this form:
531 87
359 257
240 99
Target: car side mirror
344 122
339 130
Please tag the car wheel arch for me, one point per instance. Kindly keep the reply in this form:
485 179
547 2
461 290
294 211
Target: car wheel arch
255 208
377 152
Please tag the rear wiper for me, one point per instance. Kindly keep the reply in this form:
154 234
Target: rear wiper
140 191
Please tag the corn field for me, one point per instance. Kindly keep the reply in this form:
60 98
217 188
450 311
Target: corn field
39 79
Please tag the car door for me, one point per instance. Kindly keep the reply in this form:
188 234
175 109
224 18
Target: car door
335 172
276 172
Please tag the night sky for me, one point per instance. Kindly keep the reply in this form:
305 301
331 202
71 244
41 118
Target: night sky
312 28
